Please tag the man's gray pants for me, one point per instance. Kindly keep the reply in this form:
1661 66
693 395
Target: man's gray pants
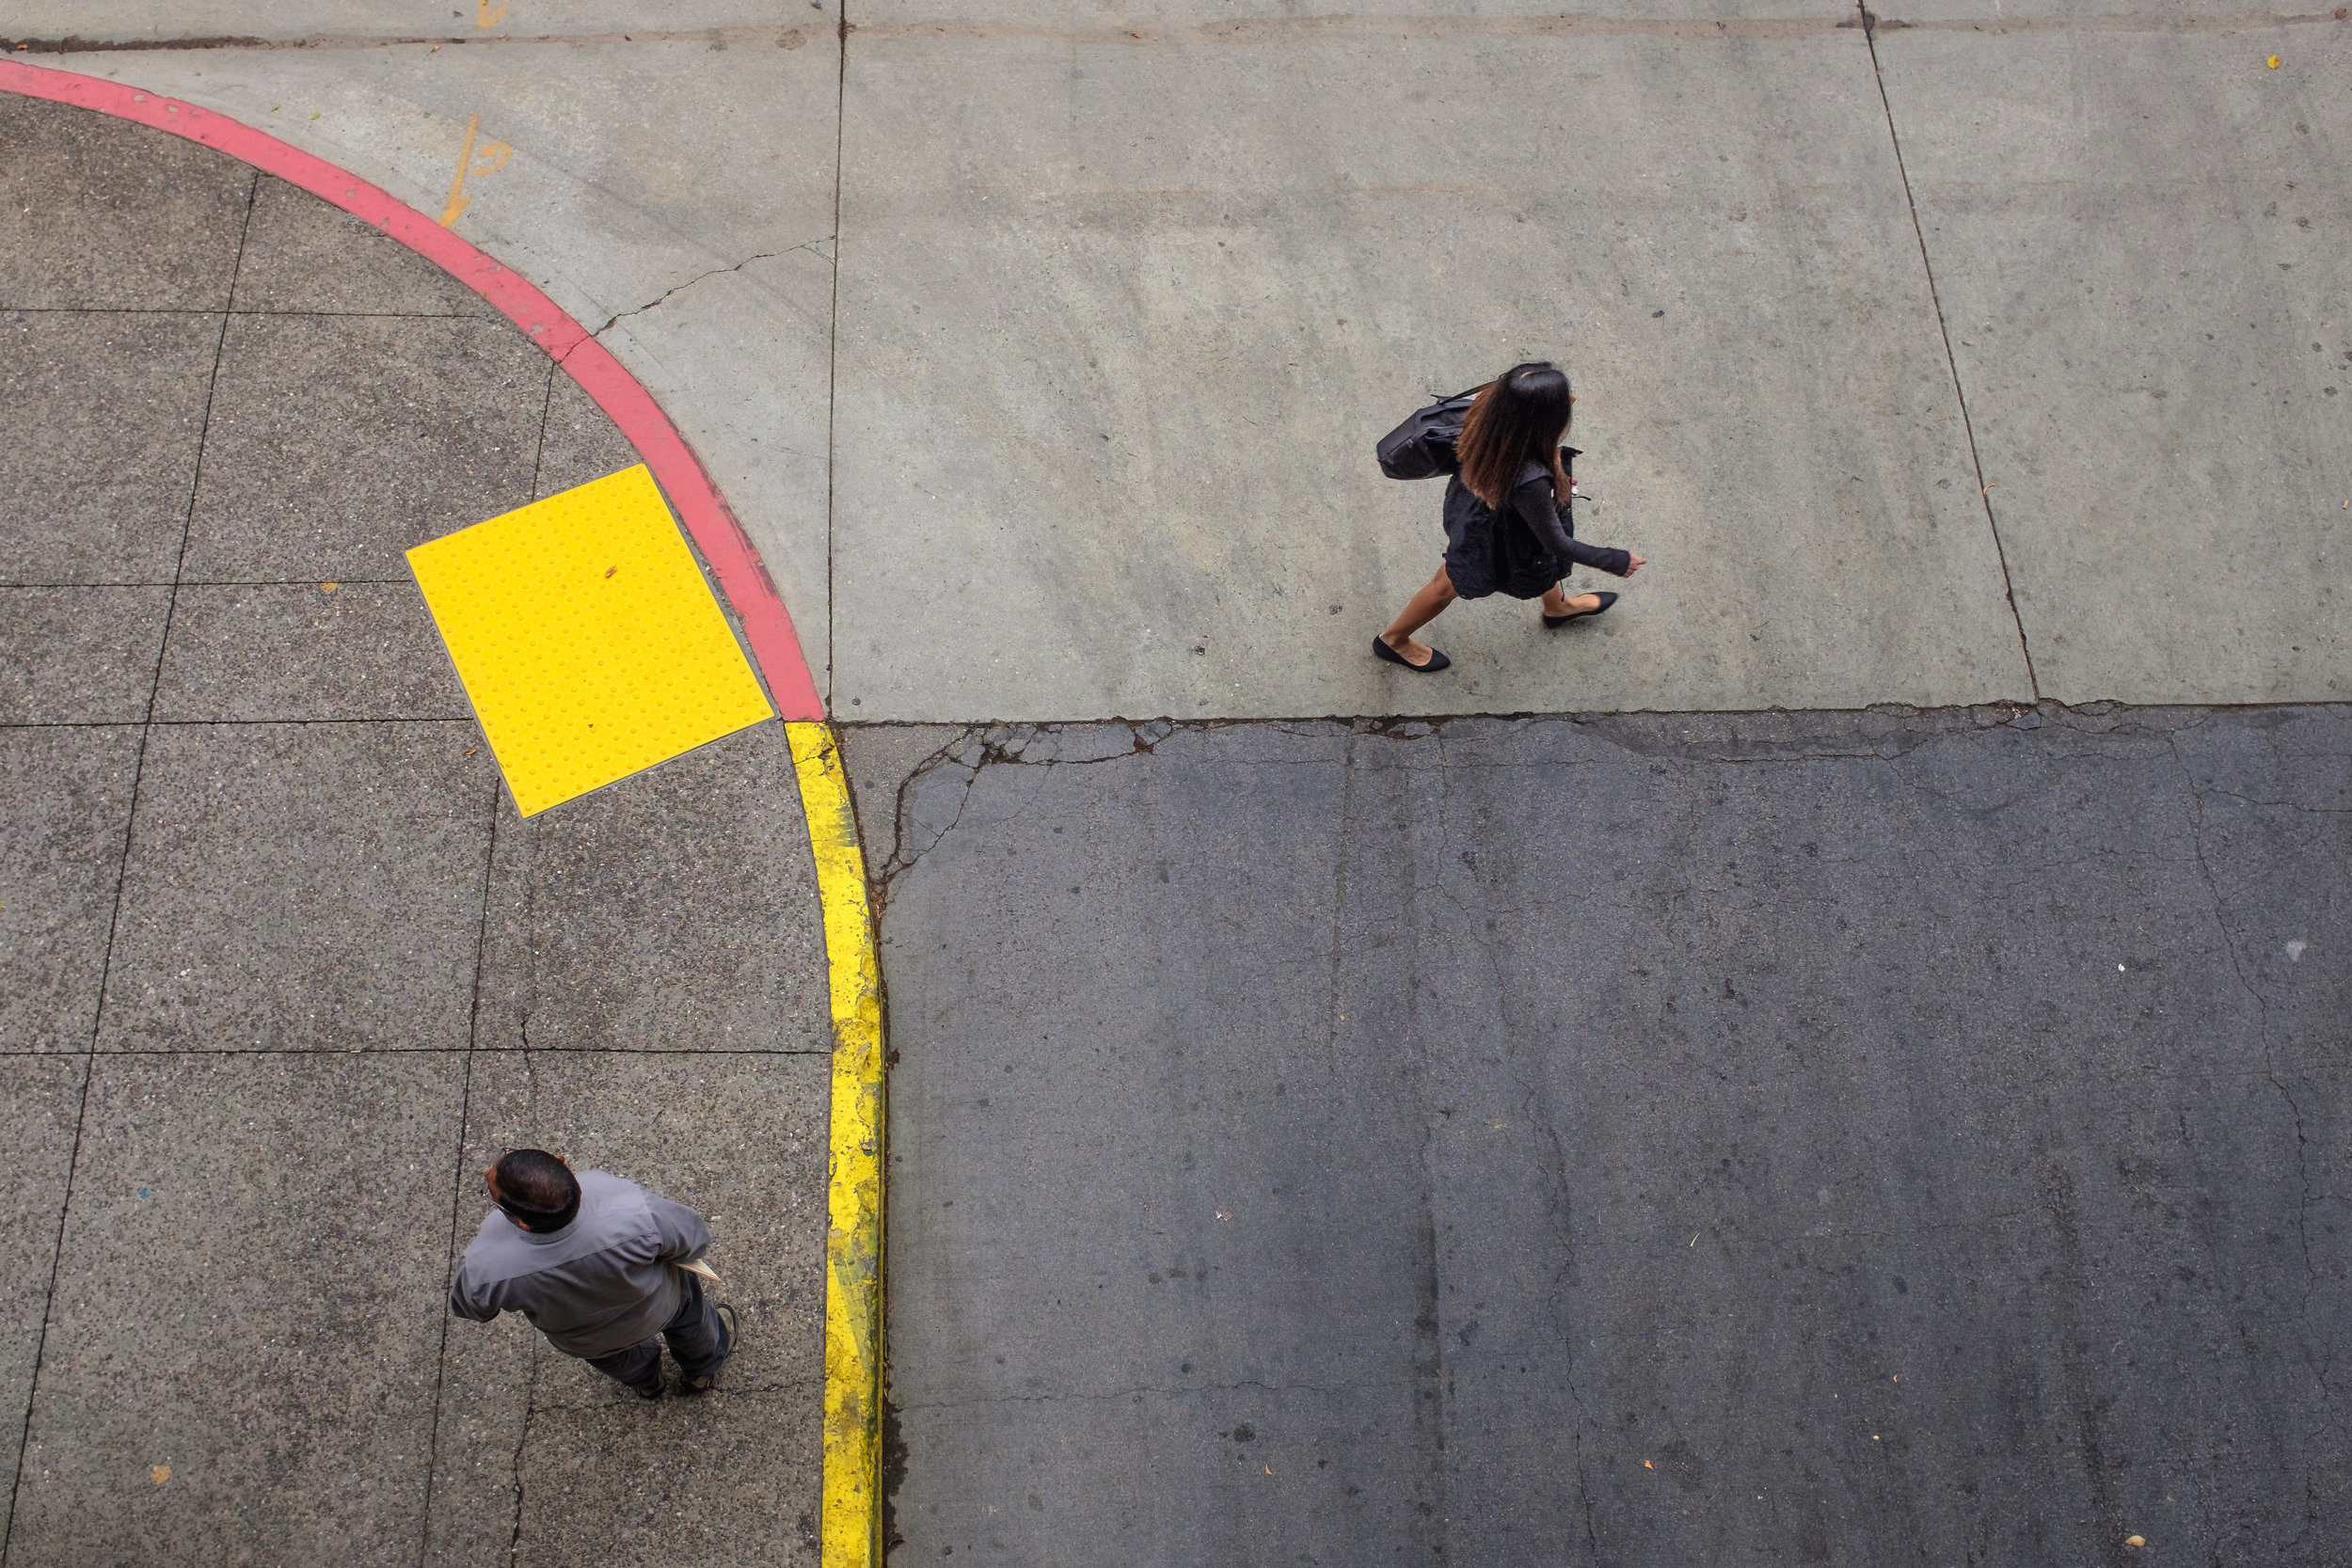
697 1341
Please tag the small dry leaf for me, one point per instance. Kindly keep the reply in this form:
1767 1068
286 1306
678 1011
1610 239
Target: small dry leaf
2134 1541
328 587
2274 62
1647 1465
159 1474
609 570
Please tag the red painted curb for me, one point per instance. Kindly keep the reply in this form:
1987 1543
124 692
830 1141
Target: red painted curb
742 575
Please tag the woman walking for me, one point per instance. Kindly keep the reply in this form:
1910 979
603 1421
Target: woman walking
1507 525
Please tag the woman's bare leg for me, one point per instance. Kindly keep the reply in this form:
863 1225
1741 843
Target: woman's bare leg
1418 612
1557 603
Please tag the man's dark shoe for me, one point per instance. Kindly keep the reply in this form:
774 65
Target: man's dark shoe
648 1391
702 1383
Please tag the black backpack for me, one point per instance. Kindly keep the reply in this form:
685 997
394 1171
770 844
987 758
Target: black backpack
1423 446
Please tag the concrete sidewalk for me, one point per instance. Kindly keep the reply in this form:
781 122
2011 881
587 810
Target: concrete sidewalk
1995 355
283 968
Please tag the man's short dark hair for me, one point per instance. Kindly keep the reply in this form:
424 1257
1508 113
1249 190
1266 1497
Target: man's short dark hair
538 1189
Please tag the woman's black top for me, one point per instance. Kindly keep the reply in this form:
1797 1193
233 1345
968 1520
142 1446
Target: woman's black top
1521 550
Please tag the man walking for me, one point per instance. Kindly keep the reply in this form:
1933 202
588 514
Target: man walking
596 1264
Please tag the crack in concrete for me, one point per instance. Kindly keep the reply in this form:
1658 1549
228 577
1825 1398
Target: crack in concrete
667 294
522 1440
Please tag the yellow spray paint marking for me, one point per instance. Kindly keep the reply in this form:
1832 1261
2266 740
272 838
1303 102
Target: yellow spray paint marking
484 17
854 1239
587 638
494 154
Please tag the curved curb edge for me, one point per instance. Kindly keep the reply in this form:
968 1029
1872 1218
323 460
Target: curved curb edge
742 576
851 1534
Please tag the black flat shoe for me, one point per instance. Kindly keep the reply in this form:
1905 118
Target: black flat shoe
1436 660
1555 621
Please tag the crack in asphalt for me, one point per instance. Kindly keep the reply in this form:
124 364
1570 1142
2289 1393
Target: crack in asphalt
977 745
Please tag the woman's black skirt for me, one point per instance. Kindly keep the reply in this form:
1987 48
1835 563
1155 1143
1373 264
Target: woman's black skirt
1494 552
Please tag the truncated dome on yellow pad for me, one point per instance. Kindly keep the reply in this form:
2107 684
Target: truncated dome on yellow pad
587 638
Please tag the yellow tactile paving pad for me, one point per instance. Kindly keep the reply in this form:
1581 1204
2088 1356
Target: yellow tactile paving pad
587 638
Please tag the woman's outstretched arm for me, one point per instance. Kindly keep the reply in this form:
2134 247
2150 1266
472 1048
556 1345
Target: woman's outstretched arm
1550 521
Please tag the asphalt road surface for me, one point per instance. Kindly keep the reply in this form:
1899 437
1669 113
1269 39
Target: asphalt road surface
1893 1137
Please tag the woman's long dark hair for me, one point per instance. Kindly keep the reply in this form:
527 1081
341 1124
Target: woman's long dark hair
1521 414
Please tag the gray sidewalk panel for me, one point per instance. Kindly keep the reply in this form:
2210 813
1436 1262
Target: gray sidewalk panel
278 651
304 887
40 1102
240 1358
672 911
68 794
2140 241
79 656
100 416
1121 324
338 442
741 1139
99 215
1785 1128
689 1484
303 256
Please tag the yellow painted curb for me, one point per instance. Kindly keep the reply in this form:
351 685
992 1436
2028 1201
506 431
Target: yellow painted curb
854 1239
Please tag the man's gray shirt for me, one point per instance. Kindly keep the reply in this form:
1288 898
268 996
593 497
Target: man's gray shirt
602 1283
